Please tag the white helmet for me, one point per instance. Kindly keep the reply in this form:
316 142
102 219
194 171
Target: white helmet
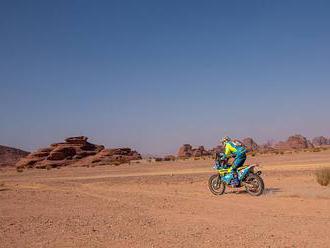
225 139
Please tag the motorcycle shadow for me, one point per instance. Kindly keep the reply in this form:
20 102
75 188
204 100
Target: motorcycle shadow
267 191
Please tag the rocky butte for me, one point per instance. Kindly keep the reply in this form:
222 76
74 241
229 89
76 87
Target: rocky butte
294 142
187 151
76 151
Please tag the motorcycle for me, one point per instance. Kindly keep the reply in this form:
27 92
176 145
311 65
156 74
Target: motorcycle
246 176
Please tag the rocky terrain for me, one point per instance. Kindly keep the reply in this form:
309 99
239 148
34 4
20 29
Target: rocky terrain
76 151
9 156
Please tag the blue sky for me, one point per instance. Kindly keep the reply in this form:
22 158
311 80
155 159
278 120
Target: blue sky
153 75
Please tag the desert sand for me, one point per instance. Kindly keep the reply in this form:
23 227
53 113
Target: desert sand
165 204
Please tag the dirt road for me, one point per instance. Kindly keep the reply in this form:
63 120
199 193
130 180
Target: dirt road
165 205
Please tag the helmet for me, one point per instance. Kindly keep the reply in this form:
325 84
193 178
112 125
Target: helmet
225 139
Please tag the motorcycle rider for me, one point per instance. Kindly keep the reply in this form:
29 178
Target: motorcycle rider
234 148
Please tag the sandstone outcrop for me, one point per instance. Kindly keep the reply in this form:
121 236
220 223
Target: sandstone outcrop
217 150
187 151
76 151
114 156
294 142
250 144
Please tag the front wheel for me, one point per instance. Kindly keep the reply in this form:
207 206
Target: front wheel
216 186
254 185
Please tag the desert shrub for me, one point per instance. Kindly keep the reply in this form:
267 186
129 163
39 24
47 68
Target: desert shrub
317 149
116 163
18 169
253 154
197 158
158 159
323 176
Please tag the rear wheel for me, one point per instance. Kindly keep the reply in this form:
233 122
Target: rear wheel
216 186
254 185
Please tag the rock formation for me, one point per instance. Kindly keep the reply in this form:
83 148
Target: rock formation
187 151
75 151
250 144
115 156
9 156
321 141
294 142
217 150
169 158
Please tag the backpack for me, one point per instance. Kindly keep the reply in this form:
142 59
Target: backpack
239 145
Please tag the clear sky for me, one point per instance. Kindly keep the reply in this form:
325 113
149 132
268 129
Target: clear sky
155 74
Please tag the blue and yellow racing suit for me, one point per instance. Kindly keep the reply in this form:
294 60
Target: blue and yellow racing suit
238 151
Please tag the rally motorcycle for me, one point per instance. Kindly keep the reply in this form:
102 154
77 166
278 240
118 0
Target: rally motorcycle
246 176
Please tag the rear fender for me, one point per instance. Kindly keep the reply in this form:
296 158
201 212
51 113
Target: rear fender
246 171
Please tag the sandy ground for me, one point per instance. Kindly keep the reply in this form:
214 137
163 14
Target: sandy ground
165 205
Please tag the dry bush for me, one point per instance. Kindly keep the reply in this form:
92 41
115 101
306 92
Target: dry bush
253 154
317 149
323 176
116 163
